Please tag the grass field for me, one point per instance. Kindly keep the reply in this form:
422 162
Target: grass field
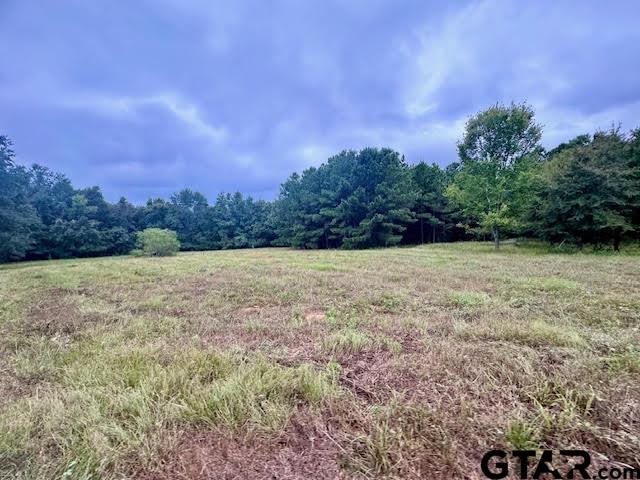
276 363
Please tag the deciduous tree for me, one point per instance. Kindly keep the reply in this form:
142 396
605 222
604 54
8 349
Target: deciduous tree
492 152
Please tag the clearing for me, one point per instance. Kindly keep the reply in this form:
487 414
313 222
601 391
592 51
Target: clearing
277 363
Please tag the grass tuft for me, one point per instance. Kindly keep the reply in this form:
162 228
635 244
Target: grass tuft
347 341
469 300
394 434
522 435
534 334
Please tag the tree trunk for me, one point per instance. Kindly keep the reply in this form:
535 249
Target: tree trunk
616 242
421 231
496 237
434 234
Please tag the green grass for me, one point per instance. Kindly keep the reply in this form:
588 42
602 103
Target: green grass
534 333
522 435
552 284
469 299
107 410
348 340
398 362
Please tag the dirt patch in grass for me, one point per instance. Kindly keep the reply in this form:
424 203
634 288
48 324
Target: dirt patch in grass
315 315
12 387
63 312
54 314
302 451
247 311
278 332
269 329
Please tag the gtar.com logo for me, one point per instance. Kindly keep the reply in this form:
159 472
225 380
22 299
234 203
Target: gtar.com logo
526 464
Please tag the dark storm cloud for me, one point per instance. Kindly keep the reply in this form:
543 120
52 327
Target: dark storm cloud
144 98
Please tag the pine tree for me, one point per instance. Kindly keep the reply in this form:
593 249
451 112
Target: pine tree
590 192
429 182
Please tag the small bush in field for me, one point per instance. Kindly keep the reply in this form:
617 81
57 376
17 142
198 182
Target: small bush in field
157 242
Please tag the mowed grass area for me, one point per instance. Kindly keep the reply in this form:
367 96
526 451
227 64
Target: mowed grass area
400 363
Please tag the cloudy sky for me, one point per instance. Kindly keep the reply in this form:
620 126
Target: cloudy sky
146 97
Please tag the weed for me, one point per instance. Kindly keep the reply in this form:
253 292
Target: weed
522 435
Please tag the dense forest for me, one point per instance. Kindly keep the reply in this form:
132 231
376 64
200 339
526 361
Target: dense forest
504 184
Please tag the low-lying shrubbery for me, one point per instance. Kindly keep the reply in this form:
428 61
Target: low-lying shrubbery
157 242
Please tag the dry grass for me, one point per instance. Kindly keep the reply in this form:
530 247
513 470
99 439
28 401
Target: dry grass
400 363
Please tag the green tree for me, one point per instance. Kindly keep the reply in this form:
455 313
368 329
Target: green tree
18 219
158 242
125 215
591 190
354 200
154 214
429 182
378 210
186 216
498 146
633 155
87 228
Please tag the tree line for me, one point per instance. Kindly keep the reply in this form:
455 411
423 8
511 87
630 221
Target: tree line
585 191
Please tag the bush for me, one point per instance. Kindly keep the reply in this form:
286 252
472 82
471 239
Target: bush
158 242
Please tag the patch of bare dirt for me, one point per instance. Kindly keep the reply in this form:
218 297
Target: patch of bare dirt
367 375
11 387
313 316
249 311
269 329
57 315
303 451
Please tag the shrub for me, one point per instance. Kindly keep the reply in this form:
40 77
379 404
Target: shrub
158 242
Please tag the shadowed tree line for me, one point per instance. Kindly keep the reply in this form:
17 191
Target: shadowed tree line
585 191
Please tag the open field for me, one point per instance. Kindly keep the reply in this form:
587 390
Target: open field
275 363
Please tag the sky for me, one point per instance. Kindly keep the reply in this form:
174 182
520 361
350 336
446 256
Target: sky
147 97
